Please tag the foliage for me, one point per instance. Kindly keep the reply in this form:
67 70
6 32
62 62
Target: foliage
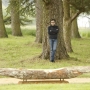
26 10
23 20
81 5
7 20
26 7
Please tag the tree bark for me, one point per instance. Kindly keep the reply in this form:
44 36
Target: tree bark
74 30
67 26
3 33
15 20
53 9
39 21
74 26
61 73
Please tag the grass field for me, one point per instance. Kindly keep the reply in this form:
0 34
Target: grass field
85 32
46 87
17 52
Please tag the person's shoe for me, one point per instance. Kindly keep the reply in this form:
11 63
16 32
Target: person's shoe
52 61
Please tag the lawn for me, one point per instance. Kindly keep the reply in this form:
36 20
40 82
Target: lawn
46 87
85 32
19 52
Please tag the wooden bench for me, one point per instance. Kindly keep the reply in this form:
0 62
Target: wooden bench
45 74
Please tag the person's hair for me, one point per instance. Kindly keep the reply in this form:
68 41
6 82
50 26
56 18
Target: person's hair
52 20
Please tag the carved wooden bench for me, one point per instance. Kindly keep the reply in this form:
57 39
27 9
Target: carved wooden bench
61 73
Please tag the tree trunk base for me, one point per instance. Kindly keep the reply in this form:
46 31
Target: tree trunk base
4 36
18 35
70 51
38 41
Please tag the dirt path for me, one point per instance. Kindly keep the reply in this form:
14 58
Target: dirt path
15 81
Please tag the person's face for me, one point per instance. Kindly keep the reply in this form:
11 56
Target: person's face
52 23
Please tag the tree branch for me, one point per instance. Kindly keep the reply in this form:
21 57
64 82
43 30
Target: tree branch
75 15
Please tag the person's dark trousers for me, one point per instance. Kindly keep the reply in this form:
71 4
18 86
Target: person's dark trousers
53 45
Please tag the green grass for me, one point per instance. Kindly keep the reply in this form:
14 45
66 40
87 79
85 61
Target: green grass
46 87
16 49
18 52
28 31
85 32
81 49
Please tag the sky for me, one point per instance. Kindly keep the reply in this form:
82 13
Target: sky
83 22
5 2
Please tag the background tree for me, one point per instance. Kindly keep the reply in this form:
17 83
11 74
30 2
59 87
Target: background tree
74 26
2 27
80 6
39 21
53 9
67 24
15 20
83 6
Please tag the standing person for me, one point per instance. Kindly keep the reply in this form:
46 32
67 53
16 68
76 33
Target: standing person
53 32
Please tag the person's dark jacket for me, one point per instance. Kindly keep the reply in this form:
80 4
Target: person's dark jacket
53 31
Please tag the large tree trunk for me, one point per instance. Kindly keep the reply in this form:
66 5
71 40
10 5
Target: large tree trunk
67 26
2 27
53 9
74 28
39 21
61 73
15 20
